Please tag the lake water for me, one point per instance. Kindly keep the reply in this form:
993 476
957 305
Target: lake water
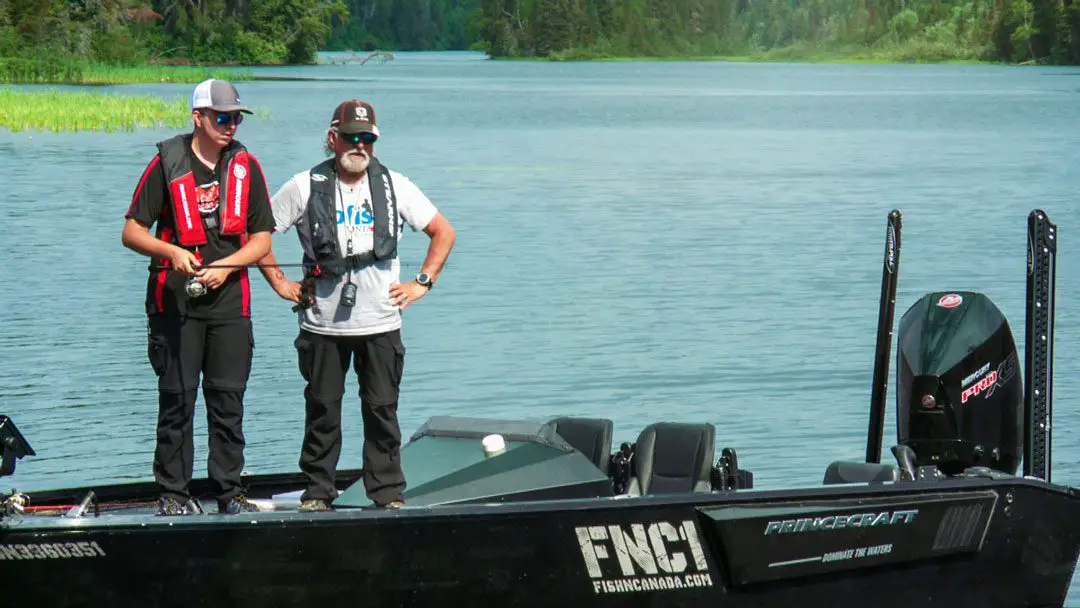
638 241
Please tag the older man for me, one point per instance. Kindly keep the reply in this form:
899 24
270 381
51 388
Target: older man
349 211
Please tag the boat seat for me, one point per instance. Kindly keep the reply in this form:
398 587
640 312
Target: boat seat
673 457
590 436
860 472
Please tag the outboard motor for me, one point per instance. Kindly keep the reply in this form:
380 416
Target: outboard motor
958 390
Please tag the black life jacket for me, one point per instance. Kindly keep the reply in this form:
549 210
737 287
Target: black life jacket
232 193
321 217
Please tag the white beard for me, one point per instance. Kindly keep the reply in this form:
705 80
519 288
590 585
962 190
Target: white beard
355 162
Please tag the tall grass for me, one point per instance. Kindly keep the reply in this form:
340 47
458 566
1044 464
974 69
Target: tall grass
27 70
83 111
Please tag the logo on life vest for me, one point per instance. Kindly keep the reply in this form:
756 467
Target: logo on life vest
389 204
184 205
207 198
239 171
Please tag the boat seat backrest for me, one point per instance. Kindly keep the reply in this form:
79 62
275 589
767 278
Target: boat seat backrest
672 457
842 471
590 436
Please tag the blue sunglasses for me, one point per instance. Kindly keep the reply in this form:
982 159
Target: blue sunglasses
234 118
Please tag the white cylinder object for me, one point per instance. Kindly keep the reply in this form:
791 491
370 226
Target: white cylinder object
494 444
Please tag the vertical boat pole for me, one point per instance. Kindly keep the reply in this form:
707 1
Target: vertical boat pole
1039 344
886 309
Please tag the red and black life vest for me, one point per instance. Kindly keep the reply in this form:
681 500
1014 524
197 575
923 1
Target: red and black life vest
232 191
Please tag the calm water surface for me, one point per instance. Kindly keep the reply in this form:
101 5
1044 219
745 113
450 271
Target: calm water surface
639 241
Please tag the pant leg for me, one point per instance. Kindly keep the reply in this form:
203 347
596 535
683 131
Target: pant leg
380 365
230 346
323 361
175 348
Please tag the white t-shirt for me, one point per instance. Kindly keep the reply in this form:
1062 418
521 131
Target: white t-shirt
373 312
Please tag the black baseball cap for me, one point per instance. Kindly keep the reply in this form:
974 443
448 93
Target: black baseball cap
354 116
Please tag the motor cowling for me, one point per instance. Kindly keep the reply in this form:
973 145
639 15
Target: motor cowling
959 391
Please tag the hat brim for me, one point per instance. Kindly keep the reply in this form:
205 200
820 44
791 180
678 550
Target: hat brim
231 107
358 127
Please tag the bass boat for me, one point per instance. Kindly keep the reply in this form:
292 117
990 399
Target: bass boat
519 513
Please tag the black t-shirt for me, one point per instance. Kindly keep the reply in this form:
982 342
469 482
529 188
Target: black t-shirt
165 289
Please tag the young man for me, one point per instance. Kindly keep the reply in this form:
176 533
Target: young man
210 201
349 211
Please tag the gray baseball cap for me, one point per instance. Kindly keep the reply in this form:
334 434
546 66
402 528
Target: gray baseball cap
217 95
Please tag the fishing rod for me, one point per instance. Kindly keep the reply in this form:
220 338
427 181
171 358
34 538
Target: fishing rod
195 288
212 265
285 265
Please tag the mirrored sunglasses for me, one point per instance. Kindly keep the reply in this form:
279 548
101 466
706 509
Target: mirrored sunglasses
355 138
234 118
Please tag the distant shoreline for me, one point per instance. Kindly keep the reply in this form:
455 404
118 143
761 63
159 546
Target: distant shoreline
15 71
838 59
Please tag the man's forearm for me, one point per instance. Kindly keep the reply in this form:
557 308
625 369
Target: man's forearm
268 266
137 238
438 251
254 250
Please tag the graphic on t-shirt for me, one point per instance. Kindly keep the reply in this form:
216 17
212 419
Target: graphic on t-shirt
362 217
207 196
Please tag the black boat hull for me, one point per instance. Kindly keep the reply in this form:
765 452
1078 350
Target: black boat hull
974 541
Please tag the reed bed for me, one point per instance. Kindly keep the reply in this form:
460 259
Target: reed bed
105 74
33 70
85 111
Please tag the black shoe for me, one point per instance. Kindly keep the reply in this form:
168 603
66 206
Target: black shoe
237 504
171 506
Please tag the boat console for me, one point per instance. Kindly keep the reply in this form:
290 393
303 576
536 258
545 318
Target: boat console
456 460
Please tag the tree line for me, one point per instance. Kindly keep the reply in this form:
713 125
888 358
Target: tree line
407 25
258 32
228 32
1046 31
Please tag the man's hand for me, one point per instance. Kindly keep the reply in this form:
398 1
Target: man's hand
290 290
184 261
401 295
213 277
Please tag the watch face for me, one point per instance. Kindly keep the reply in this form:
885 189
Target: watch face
423 279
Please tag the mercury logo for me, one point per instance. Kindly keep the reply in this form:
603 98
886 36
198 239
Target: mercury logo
950 301
973 391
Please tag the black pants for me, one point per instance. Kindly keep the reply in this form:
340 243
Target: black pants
180 350
379 361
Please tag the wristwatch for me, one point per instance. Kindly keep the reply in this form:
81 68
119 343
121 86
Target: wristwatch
425 279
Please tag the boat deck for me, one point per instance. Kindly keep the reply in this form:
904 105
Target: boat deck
289 502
